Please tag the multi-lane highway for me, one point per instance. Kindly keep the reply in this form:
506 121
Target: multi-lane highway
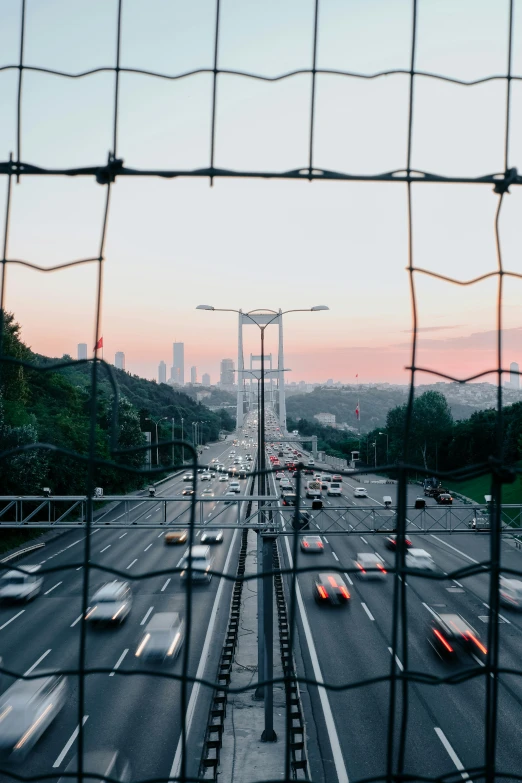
353 643
139 715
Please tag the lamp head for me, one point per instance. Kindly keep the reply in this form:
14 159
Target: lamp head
319 307
205 307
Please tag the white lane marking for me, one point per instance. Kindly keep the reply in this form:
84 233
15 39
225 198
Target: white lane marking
174 772
131 564
335 744
160 534
180 561
124 534
165 585
76 621
35 664
349 580
105 549
147 547
198 533
97 529
397 661
500 615
451 753
69 743
117 664
146 615
79 569
478 660
462 554
457 583
430 610
325 539
370 615
333 553
363 539
53 588
148 516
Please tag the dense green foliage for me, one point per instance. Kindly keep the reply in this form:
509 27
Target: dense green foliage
54 407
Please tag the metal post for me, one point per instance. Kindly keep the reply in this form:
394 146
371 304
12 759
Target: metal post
165 512
173 439
260 691
183 447
268 734
262 427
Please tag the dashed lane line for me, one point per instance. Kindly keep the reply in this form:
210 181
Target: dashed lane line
69 743
370 615
131 564
462 554
147 547
35 664
348 578
149 610
53 588
105 549
165 585
118 662
397 661
11 620
124 534
333 553
451 753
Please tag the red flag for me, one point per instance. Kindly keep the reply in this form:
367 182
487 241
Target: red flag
99 344
357 412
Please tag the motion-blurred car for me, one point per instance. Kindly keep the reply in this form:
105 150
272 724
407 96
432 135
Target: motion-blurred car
511 592
330 589
391 542
360 492
188 491
104 764
420 560
302 521
201 562
27 709
312 544
370 566
110 604
212 537
451 635
21 585
176 536
163 637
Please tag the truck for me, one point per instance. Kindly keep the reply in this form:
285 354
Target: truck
313 489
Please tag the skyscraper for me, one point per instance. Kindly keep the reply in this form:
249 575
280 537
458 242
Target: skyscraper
119 360
205 379
193 375
226 376
162 372
82 350
514 378
177 373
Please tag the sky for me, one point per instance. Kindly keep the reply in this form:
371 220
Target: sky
251 243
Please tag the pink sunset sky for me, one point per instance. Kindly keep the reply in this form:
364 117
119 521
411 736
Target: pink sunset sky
250 243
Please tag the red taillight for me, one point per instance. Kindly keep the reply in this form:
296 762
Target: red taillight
381 567
345 592
305 543
407 542
478 643
443 640
320 544
332 581
322 592
360 566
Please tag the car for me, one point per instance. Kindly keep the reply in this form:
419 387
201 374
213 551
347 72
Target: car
330 589
207 493
223 478
187 491
104 764
311 463
206 448
308 472
360 492
163 637
302 520
280 475
285 484
188 477
174 537
419 560
390 542
451 635
110 604
420 503
337 477
444 499
312 544
326 477
229 497
22 584
201 561
370 566
248 458
511 592
206 476
212 537
27 709
289 499
480 522
234 486
334 488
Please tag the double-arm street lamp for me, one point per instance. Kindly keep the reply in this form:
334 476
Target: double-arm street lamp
386 434
156 422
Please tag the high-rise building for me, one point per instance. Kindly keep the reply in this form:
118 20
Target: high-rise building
514 377
177 373
205 379
119 360
82 350
193 375
226 376
162 372
329 382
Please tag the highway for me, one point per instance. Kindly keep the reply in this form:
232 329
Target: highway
139 715
353 643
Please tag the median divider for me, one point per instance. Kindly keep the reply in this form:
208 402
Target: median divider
21 553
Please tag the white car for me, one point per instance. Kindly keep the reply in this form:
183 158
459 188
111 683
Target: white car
370 566
223 478
229 497
420 560
285 484
234 486
22 585
206 476
207 493
360 492
511 592
334 488
280 475
110 604
206 448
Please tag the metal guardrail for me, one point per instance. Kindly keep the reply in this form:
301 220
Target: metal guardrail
21 553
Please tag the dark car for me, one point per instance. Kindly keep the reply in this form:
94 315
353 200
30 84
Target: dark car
330 589
302 521
391 542
289 499
312 544
420 503
308 471
451 634
444 499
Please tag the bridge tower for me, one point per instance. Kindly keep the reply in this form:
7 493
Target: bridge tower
261 319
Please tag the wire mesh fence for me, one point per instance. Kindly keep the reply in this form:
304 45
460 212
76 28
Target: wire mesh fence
15 168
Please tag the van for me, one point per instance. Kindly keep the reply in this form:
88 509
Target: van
387 501
313 489
163 636
201 563
334 488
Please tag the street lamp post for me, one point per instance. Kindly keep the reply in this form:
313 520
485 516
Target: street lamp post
172 438
156 422
385 433
183 447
